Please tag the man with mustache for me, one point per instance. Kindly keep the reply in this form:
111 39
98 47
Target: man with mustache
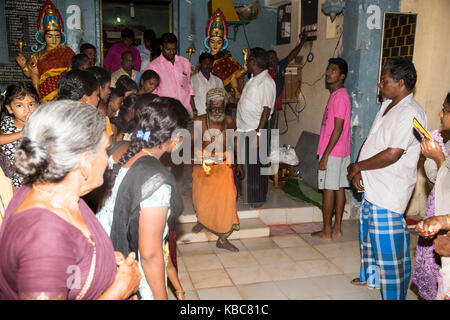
386 171
214 194
175 74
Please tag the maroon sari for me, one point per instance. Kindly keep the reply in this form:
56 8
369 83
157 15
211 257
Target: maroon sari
42 256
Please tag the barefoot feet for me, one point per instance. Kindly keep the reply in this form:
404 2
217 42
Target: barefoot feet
322 235
337 231
197 228
223 243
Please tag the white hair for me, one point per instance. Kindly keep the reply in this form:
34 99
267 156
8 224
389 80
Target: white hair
55 136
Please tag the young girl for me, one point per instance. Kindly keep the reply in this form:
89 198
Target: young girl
143 201
124 122
21 99
114 102
149 82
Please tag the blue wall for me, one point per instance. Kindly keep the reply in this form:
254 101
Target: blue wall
190 18
88 29
362 50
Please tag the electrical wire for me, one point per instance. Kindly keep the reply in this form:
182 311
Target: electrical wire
334 52
298 104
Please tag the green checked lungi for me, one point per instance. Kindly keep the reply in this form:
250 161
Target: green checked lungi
384 244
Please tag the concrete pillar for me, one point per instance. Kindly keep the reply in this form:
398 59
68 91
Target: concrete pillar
363 23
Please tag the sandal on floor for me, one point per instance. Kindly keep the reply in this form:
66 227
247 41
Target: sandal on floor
356 282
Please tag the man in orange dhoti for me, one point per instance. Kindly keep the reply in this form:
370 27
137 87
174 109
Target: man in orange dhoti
214 193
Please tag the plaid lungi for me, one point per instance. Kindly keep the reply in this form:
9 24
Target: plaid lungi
384 244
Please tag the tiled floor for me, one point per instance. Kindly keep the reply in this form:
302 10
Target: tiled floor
289 264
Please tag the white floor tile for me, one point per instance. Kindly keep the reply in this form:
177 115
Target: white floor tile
261 291
297 289
225 293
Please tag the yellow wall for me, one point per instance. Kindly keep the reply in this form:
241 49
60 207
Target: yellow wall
432 62
316 96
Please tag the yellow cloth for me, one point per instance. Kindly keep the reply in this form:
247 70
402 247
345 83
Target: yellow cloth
109 130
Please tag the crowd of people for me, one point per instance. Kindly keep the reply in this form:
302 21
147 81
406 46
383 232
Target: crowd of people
89 206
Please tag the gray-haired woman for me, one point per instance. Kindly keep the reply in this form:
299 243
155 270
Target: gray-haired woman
51 244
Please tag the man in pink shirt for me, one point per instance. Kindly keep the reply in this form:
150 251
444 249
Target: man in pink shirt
334 149
112 61
175 74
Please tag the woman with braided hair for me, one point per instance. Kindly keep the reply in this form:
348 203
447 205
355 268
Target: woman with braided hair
143 201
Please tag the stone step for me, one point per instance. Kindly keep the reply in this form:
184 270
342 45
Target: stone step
243 214
274 216
249 228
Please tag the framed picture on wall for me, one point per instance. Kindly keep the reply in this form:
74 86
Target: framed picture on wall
284 24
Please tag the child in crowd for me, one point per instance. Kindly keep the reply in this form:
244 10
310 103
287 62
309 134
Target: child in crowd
126 85
80 62
115 101
21 99
125 122
148 82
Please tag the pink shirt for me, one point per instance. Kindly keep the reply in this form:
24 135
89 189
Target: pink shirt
175 79
112 59
338 106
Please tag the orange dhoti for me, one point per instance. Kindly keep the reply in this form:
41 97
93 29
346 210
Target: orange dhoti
214 198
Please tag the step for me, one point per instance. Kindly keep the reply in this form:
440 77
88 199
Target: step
270 216
249 228
243 214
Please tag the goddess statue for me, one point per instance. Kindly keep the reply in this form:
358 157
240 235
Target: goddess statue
51 58
225 66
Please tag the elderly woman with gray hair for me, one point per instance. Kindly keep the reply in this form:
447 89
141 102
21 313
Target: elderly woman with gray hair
51 244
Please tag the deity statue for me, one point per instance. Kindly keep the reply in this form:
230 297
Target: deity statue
225 66
51 58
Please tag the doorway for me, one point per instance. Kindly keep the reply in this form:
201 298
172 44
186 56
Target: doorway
137 15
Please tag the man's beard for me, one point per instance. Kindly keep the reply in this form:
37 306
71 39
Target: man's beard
217 118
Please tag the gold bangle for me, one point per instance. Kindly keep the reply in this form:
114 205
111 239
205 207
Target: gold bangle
25 69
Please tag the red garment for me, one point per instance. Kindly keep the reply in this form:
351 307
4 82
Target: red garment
279 101
52 66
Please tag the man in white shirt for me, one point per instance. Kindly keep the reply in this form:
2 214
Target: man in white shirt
253 113
145 49
203 81
386 171
126 62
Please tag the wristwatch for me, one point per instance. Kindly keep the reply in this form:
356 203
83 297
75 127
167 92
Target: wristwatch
258 133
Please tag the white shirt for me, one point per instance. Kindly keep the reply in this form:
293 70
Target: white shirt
201 86
391 187
259 92
145 55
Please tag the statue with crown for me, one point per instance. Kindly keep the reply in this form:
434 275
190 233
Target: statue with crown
225 66
51 58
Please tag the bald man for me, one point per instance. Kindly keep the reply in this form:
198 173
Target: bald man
126 62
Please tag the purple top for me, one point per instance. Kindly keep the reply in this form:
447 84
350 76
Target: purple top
112 59
42 256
